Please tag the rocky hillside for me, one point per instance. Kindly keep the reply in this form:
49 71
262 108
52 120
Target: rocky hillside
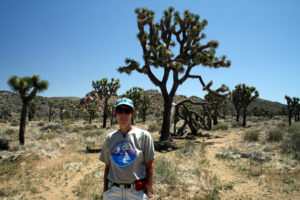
13 102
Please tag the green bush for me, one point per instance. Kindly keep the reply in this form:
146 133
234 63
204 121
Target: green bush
251 136
275 135
221 126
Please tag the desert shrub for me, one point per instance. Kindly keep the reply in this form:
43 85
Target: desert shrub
221 126
52 127
282 125
251 136
9 131
166 172
47 135
275 135
77 129
292 143
15 123
154 127
41 124
188 148
236 124
2 121
93 133
90 127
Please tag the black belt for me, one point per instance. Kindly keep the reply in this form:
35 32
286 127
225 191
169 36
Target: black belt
122 185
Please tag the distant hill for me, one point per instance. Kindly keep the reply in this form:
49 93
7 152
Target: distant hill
13 102
157 101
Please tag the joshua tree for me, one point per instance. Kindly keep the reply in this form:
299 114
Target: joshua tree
105 90
144 105
51 112
32 110
217 102
92 108
291 106
158 41
241 97
27 87
140 100
62 111
111 107
194 120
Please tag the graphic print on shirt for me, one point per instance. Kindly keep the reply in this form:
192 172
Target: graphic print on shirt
123 155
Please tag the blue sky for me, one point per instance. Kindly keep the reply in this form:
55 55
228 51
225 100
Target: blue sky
70 43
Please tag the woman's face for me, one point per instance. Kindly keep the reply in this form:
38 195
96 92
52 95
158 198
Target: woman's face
124 114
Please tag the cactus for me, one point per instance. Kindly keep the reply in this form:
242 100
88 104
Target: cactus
105 90
158 42
241 97
27 87
292 104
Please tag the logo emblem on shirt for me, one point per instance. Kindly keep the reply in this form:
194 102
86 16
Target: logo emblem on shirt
123 155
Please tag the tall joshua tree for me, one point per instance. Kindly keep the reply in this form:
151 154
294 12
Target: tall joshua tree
105 90
158 42
291 106
242 96
27 87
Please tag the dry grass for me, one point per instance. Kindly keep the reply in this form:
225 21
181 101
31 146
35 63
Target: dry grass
53 164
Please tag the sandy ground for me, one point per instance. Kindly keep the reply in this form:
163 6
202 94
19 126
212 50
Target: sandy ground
74 174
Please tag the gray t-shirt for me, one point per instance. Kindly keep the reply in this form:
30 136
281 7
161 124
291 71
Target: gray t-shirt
127 154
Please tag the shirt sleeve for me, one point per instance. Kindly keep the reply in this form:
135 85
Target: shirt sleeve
149 152
105 154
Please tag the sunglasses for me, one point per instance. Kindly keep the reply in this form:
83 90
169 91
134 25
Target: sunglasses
124 110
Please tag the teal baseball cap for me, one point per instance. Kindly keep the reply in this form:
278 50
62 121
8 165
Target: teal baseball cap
124 101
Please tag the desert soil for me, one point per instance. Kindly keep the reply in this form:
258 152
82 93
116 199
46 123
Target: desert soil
67 175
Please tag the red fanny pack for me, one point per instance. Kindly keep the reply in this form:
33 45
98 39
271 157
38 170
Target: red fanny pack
140 185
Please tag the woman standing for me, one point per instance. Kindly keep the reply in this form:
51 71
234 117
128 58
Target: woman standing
128 154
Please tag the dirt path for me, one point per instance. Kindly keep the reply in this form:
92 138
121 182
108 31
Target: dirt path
63 189
237 186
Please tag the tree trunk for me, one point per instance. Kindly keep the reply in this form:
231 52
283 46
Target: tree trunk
290 119
105 112
244 117
215 119
90 121
238 115
23 124
165 131
144 116
50 113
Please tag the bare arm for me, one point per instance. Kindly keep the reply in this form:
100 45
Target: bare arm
150 176
106 171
